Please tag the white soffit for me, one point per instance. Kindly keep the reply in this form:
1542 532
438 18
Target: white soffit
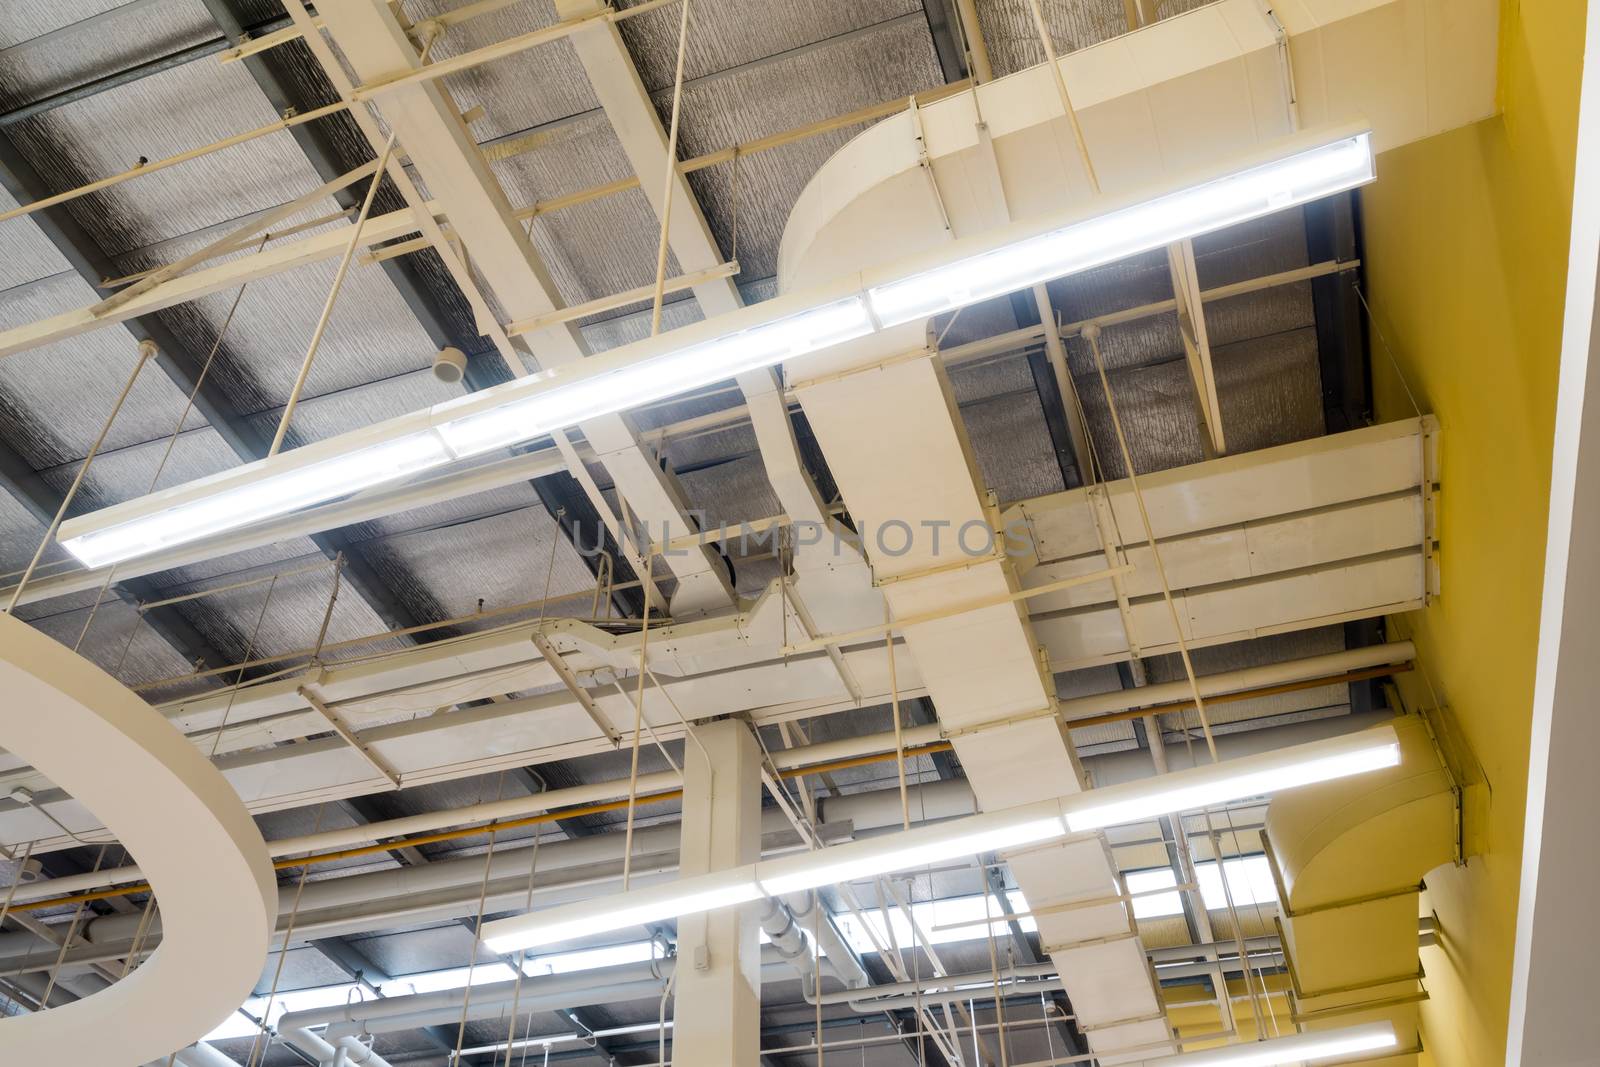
196 844
1174 96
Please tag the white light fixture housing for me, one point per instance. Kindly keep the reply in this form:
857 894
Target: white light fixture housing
1295 1049
993 831
1256 775
599 915
1308 166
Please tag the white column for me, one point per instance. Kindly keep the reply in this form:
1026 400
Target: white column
717 1015
1551 1018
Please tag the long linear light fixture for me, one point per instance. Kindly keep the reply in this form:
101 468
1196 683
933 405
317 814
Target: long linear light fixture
1294 1049
1304 168
1011 828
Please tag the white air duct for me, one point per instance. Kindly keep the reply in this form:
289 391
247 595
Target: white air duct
1188 92
1350 860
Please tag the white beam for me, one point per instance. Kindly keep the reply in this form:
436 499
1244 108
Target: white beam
1556 919
448 159
633 116
1196 343
228 274
717 1015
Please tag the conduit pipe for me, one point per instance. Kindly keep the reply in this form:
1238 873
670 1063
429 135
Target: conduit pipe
448 888
629 981
350 1050
863 1000
982 993
199 1054
1270 674
824 756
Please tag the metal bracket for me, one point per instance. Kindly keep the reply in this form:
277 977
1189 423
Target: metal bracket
552 656
350 737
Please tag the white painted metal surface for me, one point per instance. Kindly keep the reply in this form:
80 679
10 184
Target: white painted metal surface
430 127
202 855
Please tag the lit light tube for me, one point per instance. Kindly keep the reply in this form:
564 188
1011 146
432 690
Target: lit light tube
912 848
762 335
971 835
1295 1049
1235 779
686 369
639 907
252 502
1310 175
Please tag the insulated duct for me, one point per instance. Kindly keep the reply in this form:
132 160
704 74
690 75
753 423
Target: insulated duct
1350 858
1188 92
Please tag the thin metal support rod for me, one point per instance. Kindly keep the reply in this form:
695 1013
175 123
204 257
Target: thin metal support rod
633 764
671 174
286 123
333 294
11 890
147 349
1066 98
899 726
1092 335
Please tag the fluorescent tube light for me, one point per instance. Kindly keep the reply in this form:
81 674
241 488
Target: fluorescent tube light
863 859
1236 779
601 915
1298 1048
990 831
1249 194
255 501
752 338
640 383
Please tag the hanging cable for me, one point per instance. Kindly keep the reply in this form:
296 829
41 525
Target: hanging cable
522 954
899 730
161 464
1066 99
735 253
671 180
633 764
431 33
994 973
1091 334
147 350
258 1046
477 926
327 612
11 890
249 649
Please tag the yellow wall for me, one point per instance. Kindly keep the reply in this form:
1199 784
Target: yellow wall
1466 244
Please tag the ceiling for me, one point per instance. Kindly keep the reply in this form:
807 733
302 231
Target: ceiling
91 87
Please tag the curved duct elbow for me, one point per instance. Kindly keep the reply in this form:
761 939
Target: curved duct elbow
1350 857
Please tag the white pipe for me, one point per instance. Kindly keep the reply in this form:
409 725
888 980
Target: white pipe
448 889
199 1054
351 1050
365 902
1297 670
980 994
629 981
930 986
785 759
492 811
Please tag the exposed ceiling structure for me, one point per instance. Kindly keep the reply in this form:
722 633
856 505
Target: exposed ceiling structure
608 639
